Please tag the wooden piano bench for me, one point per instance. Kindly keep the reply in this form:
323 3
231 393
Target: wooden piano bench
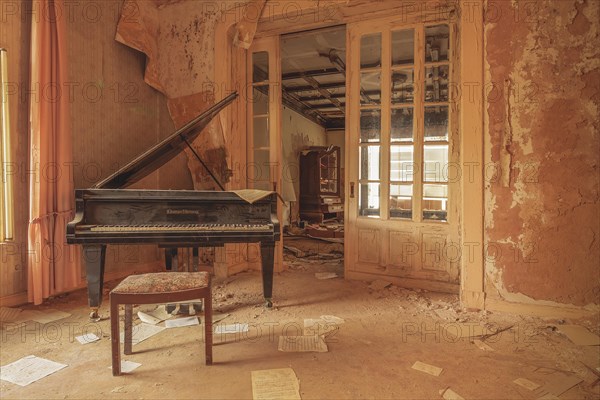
156 288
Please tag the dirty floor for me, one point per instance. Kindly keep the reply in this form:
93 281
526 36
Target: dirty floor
386 330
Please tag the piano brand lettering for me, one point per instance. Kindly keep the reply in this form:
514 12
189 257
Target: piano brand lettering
183 212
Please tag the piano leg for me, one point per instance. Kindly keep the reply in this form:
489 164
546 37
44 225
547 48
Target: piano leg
267 255
94 267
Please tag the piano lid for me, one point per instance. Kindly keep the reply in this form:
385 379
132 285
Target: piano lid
164 151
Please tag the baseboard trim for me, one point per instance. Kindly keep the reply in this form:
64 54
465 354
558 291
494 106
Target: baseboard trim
13 300
433 286
538 310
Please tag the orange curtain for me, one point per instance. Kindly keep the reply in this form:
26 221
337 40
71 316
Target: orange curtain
53 266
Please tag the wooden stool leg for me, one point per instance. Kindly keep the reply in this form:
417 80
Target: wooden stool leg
114 337
208 334
128 328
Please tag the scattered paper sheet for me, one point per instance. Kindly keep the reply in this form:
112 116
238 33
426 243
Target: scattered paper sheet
299 344
9 314
234 328
325 275
379 284
579 335
526 383
179 322
47 316
447 315
275 384
428 369
126 367
219 317
142 332
449 394
147 318
28 370
559 383
482 345
87 338
332 319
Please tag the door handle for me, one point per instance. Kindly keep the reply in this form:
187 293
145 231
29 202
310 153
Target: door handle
351 190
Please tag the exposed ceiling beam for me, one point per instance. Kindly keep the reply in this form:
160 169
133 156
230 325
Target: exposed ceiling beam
313 82
326 86
316 72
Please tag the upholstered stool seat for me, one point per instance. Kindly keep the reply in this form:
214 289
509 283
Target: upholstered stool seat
160 287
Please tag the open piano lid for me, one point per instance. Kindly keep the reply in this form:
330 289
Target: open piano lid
164 151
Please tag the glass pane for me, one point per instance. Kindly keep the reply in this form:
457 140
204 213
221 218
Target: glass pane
368 199
260 66
402 125
401 201
436 83
369 163
435 202
260 100
370 50
435 160
403 47
436 123
403 86
370 88
328 173
260 170
370 126
437 39
261 132
401 163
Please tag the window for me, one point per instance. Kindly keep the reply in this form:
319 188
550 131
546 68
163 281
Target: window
6 194
404 124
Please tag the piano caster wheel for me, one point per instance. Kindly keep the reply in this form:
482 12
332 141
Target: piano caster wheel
94 316
268 303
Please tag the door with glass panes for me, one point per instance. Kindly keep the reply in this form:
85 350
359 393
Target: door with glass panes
403 198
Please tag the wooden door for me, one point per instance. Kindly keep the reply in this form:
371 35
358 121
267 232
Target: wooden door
403 197
263 96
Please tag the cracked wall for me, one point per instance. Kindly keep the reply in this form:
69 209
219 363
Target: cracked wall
542 151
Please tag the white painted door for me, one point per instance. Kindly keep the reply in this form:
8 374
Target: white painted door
403 194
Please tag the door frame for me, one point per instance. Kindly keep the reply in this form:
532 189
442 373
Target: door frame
471 115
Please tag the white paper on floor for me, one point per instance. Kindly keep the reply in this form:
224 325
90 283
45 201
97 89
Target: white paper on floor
234 328
126 367
300 344
154 316
275 384
87 338
142 332
219 317
47 316
179 322
427 368
28 370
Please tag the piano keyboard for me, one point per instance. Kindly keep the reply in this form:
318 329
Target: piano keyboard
182 227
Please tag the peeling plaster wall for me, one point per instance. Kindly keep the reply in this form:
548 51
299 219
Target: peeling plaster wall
297 134
542 151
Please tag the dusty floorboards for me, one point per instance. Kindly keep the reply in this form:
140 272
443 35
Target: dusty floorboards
385 333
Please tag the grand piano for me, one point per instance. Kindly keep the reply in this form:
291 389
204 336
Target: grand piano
110 214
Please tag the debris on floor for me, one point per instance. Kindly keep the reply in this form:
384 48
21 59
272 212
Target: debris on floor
325 275
579 335
87 338
526 383
449 394
233 328
180 322
126 367
379 284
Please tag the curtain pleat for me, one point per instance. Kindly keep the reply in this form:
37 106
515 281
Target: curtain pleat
53 266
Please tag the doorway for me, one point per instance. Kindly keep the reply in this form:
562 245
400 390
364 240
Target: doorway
313 117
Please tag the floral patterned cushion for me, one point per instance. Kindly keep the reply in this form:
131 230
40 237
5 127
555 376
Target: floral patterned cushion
161 282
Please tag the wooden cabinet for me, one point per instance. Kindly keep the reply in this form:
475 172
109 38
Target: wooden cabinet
320 184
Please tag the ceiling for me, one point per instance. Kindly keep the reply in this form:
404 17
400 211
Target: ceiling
313 74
